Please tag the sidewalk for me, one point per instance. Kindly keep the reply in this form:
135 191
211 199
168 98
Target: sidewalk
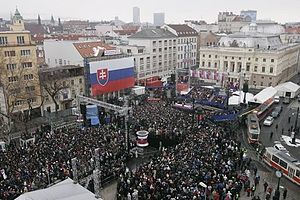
293 191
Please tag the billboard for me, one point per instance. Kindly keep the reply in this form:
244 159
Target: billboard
111 75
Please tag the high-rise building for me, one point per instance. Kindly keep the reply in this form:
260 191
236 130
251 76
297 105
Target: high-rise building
19 70
158 19
136 15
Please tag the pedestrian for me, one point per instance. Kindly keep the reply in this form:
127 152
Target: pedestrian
265 186
284 193
255 170
248 191
253 190
289 119
271 135
276 127
282 131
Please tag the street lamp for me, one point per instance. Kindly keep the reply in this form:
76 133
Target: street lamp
205 186
277 192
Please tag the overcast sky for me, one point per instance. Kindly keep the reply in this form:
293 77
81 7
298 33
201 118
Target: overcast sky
176 11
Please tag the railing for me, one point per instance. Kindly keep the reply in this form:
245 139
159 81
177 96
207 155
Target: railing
8 44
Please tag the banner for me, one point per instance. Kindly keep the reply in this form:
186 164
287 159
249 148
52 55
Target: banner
111 75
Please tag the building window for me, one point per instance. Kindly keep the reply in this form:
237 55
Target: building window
203 64
216 65
256 59
159 50
262 77
209 56
264 60
18 102
272 60
271 70
60 61
128 50
30 88
20 40
255 68
28 77
249 58
208 64
232 58
270 84
9 53
240 58
261 84
80 80
72 82
203 55
26 65
154 50
25 52
12 79
263 69
247 68
3 40
225 57
216 56
11 66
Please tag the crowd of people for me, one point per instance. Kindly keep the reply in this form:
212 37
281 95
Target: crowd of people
219 99
161 119
208 154
49 158
201 93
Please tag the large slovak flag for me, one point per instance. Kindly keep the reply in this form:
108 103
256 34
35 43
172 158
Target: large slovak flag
111 75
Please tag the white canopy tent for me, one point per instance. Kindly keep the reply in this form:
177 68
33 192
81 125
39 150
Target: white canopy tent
65 190
238 97
288 89
264 95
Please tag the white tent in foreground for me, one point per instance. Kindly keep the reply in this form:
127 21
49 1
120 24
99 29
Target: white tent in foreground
65 190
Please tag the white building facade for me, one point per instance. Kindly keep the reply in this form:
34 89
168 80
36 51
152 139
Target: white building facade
261 59
186 44
155 53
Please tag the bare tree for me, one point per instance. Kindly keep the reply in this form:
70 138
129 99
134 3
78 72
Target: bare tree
52 82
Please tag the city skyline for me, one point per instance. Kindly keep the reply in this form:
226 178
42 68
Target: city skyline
281 11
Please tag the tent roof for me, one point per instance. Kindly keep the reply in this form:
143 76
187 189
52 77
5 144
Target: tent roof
235 99
65 190
264 95
288 87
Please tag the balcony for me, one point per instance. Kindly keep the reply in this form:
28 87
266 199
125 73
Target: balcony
13 44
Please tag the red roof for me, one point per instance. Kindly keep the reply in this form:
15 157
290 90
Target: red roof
89 49
293 30
183 30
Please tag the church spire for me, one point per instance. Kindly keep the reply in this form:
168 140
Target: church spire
39 20
52 20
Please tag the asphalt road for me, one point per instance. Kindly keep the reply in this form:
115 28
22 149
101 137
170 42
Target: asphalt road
289 110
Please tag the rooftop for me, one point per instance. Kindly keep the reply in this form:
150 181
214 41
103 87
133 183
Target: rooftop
152 34
183 30
92 49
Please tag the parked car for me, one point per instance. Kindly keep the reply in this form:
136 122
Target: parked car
269 121
276 112
276 99
286 100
